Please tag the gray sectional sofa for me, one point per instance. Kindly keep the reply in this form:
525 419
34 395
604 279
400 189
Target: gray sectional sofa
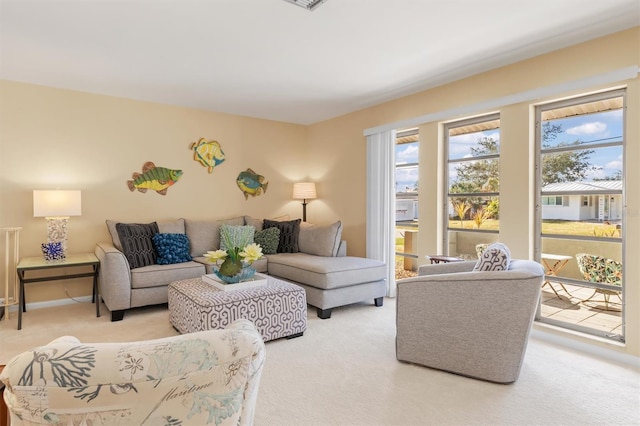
321 266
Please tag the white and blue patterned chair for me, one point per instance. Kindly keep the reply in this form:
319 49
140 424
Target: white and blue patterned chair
209 377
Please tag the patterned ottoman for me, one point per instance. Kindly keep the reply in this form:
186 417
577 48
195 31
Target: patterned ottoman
278 309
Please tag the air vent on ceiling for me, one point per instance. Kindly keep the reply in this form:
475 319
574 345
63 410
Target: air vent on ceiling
307 4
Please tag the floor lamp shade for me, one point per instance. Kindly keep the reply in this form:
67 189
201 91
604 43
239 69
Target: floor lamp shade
56 206
304 191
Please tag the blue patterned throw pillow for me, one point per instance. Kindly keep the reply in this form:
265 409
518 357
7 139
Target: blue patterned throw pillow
171 248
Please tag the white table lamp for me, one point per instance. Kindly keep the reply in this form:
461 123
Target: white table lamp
56 206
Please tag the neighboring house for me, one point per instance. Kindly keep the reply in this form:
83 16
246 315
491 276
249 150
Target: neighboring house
593 200
406 209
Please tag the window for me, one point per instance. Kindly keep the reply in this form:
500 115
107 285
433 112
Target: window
554 201
580 145
473 184
406 183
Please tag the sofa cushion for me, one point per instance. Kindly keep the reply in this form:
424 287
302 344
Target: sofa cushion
326 272
495 257
162 275
204 235
236 236
268 239
321 240
171 248
289 232
137 244
169 227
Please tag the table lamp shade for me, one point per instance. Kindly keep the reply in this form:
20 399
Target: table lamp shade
304 191
56 203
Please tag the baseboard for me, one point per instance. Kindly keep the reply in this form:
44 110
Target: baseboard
591 345
49 303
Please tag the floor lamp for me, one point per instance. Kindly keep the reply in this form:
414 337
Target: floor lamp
304 191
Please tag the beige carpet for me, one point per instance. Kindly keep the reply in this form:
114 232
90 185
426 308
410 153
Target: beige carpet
343 371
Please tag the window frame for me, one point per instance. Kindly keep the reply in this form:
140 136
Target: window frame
584 196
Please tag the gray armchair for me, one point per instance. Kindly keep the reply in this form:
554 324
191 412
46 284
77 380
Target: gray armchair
470 323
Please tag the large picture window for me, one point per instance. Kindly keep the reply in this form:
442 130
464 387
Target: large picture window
580 241
473 185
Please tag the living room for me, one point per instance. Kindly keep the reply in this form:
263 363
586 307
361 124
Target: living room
59 138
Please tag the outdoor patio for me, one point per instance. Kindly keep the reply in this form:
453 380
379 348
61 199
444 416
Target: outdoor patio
570 308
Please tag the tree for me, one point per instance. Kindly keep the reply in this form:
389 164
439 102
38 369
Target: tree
568 166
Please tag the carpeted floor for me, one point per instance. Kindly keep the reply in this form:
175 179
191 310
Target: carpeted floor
343 371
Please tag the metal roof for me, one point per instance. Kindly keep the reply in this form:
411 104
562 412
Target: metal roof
582 187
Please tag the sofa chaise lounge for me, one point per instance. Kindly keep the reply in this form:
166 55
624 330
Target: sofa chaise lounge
320 266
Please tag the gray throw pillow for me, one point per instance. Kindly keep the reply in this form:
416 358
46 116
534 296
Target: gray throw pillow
320 240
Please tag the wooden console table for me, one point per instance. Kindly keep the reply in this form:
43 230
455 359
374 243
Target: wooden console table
71 261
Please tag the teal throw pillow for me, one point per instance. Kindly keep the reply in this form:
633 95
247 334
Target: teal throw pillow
236 236
171 248
268 239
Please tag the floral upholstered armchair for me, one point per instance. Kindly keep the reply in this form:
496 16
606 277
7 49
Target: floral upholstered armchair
599 269
208 377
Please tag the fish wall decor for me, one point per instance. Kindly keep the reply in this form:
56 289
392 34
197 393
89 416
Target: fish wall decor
158 179
251 183
207 153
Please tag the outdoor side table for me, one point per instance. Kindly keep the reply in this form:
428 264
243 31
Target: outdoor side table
29 264
553 264
437 258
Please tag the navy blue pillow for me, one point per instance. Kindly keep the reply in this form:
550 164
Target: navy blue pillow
171 248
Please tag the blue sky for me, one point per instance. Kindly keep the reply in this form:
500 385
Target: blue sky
589 129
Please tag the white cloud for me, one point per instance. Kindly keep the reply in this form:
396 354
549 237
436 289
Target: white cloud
588 128
614 165
408 155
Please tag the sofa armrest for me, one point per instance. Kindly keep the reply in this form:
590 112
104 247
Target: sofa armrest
342 249
115 277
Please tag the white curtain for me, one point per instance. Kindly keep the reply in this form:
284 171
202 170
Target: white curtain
381 196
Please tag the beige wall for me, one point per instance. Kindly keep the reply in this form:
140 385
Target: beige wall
53 138
56 138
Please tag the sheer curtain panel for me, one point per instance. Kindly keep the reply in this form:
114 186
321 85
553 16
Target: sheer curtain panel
381 202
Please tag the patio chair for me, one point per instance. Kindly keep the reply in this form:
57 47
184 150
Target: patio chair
598 269
480 248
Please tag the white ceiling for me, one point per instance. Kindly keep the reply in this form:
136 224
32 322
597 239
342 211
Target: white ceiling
274 60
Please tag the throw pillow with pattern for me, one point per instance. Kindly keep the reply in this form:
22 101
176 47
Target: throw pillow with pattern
496 257
137 244
289 232
236 236
268 239
171 248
